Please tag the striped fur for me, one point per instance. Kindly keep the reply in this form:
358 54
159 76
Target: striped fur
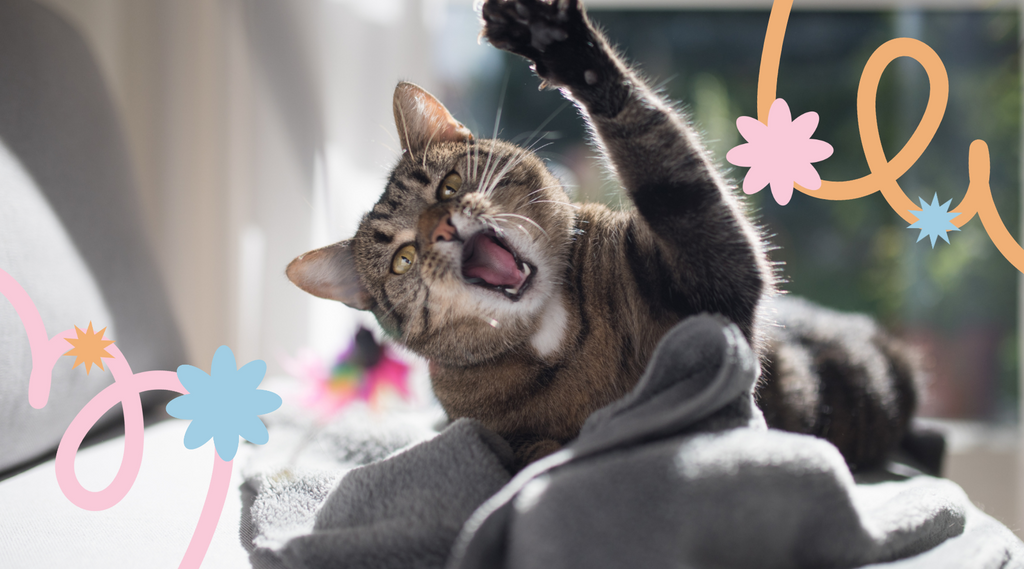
606 285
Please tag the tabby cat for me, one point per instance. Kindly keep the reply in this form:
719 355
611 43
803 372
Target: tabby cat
534 312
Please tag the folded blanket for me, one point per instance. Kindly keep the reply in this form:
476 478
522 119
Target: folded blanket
679 473
288 479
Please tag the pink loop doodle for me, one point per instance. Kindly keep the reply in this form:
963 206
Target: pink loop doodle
125 390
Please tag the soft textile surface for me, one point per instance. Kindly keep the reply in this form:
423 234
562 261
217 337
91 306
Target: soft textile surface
288 479
679 473
151 527
388 514
37 252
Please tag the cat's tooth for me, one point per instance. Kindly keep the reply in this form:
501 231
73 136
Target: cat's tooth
526 270
512 291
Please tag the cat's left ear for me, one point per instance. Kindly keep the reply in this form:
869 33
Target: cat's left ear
330 272
421 120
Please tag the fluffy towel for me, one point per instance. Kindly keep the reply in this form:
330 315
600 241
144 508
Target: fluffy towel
680 473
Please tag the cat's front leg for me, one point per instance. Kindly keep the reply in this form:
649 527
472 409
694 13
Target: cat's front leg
650 145
694 250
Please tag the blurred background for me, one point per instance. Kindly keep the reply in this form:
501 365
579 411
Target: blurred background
260 129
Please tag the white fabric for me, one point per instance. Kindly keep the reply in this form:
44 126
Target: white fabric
150 527
37 252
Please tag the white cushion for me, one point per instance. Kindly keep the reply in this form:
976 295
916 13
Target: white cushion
150 527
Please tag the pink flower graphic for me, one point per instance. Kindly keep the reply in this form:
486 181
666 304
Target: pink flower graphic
779 153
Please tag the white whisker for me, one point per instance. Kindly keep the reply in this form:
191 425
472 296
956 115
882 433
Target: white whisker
524 218
517 226
495 180
509 166
476 161
487 171
572 205
538 149
547 120
492 224
544 188
492 183
389 133
497 120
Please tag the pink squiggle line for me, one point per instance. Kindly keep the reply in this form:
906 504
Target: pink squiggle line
208 518
125 390
45 351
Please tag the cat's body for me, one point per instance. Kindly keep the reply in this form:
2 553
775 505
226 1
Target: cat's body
534 313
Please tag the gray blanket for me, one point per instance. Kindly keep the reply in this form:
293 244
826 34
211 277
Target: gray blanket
680 473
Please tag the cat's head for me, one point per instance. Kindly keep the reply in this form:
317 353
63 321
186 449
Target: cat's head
464 252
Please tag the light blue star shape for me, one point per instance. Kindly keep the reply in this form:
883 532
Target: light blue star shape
224 404
934 220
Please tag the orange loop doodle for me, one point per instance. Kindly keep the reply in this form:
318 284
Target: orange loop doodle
885 173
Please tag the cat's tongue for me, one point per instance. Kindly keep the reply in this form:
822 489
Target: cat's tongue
485 259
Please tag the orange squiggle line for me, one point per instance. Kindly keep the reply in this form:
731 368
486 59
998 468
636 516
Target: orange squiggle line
885 173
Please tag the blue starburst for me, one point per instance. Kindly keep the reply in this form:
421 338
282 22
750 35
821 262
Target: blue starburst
934 220
224 404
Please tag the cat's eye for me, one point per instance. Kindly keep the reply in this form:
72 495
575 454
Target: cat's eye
449 186
403 260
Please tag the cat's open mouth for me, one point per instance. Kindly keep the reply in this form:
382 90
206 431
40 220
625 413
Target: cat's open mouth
487 261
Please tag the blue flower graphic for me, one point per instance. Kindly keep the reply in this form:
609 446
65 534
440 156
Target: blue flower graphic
934 220
224 404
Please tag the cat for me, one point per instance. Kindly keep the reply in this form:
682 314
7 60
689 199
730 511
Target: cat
534 312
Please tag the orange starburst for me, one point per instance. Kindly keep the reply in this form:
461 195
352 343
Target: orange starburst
89 348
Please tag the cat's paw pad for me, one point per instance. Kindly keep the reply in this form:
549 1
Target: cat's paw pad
530 27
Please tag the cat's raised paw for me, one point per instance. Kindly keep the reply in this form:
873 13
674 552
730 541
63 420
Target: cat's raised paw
542 31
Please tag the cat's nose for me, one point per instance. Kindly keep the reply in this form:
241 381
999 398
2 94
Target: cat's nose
445 230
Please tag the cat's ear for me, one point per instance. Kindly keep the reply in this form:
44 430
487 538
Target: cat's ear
421 120
330 272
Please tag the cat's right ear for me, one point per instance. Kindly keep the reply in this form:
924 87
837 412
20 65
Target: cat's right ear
421 119
330 272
